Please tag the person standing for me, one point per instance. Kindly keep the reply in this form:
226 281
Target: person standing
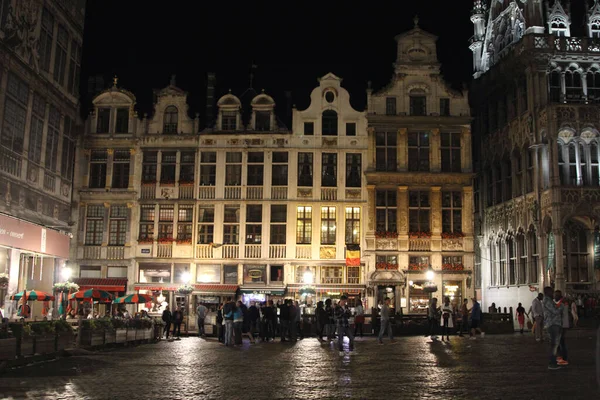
432 314
201 312
465 318
269 317
330 327
298 320
385 321
238 323
342 314
359 319
447 320
521 317
475 319
537 311
563 359
284 320
228 309
220 327
322 320
177 320
574 313
167 317
254 316
553 322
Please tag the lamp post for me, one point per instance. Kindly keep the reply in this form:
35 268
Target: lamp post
430 286
186 277
66 273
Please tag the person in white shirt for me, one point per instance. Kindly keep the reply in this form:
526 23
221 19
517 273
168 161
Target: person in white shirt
537 310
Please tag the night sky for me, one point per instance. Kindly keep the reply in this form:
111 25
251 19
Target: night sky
144 45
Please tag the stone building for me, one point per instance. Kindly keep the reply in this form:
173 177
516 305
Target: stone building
419 180
244 207
535 95
40 59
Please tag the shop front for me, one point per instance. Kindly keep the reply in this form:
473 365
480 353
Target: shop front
386 284
262 283
30 257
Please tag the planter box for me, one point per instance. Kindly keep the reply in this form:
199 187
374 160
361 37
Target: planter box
8 348
64 341
26 346
131 335
92 338
148 334
121 335
158 331
139 334
45 344
110 337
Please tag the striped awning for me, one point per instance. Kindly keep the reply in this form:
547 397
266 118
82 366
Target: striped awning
324 289
106 284
215 288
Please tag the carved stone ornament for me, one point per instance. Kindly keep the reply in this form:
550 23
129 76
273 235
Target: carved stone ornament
329 142
55 212
167 192
22 30
452 244
32 174
64 190
8 196
22 198
304 193
352 194
39 205
386 244
327 252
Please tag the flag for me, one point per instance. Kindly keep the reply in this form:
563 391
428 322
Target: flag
352 255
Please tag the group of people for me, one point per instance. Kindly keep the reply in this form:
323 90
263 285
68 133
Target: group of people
174 318
447 317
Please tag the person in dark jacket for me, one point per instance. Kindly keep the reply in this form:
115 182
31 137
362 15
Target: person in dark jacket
322 320
177 320
254 316
220 330
330 327
284 319
228 310
269 318
167 317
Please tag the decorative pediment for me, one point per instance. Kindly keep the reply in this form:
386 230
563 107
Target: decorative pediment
386 277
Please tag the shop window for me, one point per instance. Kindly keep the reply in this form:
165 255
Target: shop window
255 168
331 275
279 169
186 167
276 273
98 163
233 169
208 168
453 290
385 151
155 273
255 274
120 173
418 151
328 225
353 170
147 215
305 275
208 273
386 211
278 224
90 271
117 272
230 274
94 225
305 169
329 170
118 226
304 225
167 167
352 225
418 298
149 166
206 219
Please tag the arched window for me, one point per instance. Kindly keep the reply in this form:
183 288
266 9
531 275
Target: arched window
583 171
532 246
518 160
572 165
529 156
555 89
493 266
576 251
170 120
507 180
573 88
595 176
512 261
330 123
558 27
498 183
501 262
489 195
522 259
593 85
562 165
594 26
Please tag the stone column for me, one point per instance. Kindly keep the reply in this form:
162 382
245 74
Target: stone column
466 159
371 209
560 280
371 159
402 204
435 156
402 149
109 167
435 202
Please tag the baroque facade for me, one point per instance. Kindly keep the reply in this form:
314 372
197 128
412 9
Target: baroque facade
536 98
245 206
419 181
40 58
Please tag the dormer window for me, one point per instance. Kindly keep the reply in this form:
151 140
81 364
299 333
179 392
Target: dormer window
262 121
330 123
595 28
122 125
170 120
418 102
103 120
229 121
559 27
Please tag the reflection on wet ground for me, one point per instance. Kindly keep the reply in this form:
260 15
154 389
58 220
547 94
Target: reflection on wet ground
496 367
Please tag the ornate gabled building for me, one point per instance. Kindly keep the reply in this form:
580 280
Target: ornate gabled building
228 209
419 180
536 96
40 63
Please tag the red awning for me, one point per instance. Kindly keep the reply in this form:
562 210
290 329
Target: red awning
108 284
155 287
216 288
330 289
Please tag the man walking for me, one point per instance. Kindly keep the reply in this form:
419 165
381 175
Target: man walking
385 322
284 320
475 319
228 310
254 316
201 312
537 310
177 320
553 321
432 314
464 326
342 313
167 317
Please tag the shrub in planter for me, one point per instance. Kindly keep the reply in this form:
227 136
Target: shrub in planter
25 339
92 331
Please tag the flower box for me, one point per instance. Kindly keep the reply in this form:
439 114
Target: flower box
120 335
167 183
110 336
417 267
166 241
453 267
419 235
64 340
145 241
26 345
8 348
386 234
184 241
131 335
92 337
386 266
45 344
186 183
452 235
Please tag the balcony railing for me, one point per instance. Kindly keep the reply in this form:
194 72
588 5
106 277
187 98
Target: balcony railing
148 191
231 251
204 251
353 280
419 244
165 250
279 192
233 192
304 251
49 182
252 251
10 163
115 253
206 192
92 252
254 192
328 194
329 281
277 251
186 192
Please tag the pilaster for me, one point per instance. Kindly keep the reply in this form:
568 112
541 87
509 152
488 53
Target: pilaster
402 149
435 154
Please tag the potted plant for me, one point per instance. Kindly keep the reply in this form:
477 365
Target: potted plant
419 235
92 332
25 339
3 280
64 334
131 331
65 287
166 240
185 289
120 327
145 240
110 334
184 241
386 234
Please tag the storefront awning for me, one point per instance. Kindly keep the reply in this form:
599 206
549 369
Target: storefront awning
107 284
156 287
324 289
270 291
215 288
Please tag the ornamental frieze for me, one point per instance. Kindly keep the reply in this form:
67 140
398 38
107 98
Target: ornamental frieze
565 114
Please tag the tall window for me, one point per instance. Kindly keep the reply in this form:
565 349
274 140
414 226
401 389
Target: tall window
60 55
390 106
385 151
46 35
386 210
530 154
206 224
583 171
233 169
103 122
477 264
330 123
168 163
594 165
502 262
278 223
36 128
187 166
279 169
305 169
507 181
184 222
52 138
75 68
445 107
353 170
350 128
166 216
577 253
418 211
263 120
98 162
120 175
593 85
328 225
418 103
498 182
94 225
522 254
303 225
122 125
309 128
555 86
518 173
253 224
329 169
331 275
451 161
451 212
231 225
149 166
535 256
170 119
418 151
512 261
493 264
117 226
255 168
229 120
15 113
573 89
489 178
147 216
352 225
67 159
208 168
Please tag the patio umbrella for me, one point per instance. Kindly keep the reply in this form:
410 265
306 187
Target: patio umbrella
34 295
133 299
91 294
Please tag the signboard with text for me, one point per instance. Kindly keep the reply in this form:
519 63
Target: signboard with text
31 237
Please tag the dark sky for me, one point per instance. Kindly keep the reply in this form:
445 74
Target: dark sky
292 46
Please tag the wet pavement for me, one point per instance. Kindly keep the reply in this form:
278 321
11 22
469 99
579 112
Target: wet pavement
495 367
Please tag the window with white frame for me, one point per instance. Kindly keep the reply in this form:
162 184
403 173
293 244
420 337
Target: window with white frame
229 120
558 26
168 164
450 148
279 169
120 173
94 225
493 266
329 123
15 114
328 225
501 262
184 223
256 167
149 166
231 225
305 169
451 212
147 216
166 216
117 226
352 225
206 224
575 240
170 120
512 261
331 275
98 163
573 87
386 211
418 211
532 245
594 27
233 169
186 167
278 223
303 225
522 254
390 106
386 151
353 170
329 169
208 168
254 224
418 151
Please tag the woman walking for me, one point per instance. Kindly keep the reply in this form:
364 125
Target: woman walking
447 318
574 313
521 317
359 319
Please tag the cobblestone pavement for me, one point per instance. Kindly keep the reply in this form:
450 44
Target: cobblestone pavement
495 367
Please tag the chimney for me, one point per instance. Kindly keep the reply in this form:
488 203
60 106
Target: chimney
210 98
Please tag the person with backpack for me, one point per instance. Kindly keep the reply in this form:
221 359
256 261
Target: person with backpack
228 310
476 319
342 314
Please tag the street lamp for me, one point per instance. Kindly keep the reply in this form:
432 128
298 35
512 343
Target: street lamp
308 276
66 273
430 274
186 277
